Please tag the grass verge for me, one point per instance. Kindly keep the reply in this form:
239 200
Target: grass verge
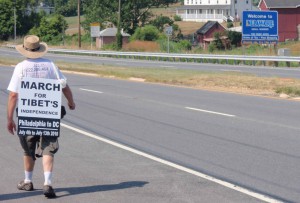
228 82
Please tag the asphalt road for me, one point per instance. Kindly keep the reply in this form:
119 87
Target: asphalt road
260 71
252 142
90 170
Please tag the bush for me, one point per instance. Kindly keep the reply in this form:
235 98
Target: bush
177 18
119 40
235 38
218 42
229 24
175 47
161 21
212 47
50 29
293 91
147 33
185 44
112 46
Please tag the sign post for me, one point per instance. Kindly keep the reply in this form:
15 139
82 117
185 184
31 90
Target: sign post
95 31
39 107
169 32
260 26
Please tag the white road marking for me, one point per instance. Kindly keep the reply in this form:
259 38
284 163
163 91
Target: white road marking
90 90
179 167
121 64
167 66
225 70
212 112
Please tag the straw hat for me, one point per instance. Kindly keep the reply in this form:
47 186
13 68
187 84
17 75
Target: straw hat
32 47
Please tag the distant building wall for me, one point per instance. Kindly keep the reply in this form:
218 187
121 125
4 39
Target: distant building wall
288 22
104 40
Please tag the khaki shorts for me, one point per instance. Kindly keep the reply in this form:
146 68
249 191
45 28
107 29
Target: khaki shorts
36 146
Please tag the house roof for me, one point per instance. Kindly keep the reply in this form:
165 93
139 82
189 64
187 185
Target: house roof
207 26
111 32
203 7
281 3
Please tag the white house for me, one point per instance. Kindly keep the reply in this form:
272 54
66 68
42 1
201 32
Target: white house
44 7
213 10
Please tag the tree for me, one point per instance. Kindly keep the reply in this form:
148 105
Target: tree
234 37
26 17
133 12
161 21
218 41
66 7
51 29
230 24
256 2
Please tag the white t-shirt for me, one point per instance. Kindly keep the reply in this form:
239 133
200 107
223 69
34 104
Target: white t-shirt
35 68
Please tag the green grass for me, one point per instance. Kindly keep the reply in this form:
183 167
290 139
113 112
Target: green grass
292 91
229 81
73 21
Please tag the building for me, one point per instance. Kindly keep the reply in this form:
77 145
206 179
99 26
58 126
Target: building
108 36
40 8
205 35
288 17
43 7
213 10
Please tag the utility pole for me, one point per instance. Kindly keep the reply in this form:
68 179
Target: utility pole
79 29
119 17
119 34
15 21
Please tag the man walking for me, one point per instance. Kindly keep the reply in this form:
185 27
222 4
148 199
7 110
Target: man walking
35 67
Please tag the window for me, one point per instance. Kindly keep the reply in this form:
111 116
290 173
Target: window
247 2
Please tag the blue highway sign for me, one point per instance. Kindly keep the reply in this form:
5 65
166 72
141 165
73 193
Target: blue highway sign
260 26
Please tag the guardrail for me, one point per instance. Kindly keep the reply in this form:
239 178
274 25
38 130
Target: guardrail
196 58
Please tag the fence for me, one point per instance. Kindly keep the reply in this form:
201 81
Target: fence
195 58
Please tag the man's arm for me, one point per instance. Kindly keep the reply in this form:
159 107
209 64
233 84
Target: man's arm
11 105
69 96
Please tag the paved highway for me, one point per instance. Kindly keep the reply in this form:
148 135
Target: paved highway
252 142
255 70
249 141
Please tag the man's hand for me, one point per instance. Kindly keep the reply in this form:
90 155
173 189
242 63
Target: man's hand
11 104
68 94
11 127
71 105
